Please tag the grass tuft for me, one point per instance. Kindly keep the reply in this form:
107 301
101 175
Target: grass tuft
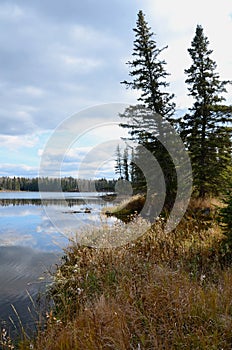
127 208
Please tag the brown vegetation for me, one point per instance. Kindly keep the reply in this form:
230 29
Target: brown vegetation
162 291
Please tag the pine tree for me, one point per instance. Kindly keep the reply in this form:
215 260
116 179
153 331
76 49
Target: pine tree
146 121
148 72
125 164
206 129
118 166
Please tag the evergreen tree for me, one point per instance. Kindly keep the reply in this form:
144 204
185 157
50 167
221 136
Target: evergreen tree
118 166
147 71
146 122
205 129
125 164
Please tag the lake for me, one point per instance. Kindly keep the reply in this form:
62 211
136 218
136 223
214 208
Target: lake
33 233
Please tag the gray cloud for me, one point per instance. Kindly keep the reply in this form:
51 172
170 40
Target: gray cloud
60 57
18 169
104 13
57 58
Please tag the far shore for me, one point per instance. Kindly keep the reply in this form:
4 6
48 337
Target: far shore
12 190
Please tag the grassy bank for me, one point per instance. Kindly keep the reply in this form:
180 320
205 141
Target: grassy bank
126 208
161 291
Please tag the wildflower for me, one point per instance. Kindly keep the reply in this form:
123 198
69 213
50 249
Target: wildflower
202 278
79 290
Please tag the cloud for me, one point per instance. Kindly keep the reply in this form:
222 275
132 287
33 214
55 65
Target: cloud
174 23
55 67
59 58
10 12
181 16
15 142
17 169
18 121
97 39
83 162
81 65
83 142
32 91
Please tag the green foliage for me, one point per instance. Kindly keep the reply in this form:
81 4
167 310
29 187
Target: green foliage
126 164
122 167
54 184
146 121
118 166
206 129
147 71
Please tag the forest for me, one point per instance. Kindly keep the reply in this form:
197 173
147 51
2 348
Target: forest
66 184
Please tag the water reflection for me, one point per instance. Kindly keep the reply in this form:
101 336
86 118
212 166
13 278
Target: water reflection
31 243
29 226
23 270
46 202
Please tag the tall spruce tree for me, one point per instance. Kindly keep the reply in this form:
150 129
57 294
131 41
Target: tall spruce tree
147 71
148 75
206 128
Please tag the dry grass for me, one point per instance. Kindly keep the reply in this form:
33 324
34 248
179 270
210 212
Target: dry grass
161 291
127 207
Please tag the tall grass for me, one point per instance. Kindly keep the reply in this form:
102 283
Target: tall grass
161 291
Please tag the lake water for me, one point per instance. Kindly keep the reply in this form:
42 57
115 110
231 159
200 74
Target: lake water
33 234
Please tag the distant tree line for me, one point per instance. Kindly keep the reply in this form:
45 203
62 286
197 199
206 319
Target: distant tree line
68 184
205 129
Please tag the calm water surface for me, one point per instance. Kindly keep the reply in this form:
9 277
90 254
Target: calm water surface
32 236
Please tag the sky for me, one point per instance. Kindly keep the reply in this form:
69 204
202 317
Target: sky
60 59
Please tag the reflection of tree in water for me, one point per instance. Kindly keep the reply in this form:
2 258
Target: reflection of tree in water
45 202
38 201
